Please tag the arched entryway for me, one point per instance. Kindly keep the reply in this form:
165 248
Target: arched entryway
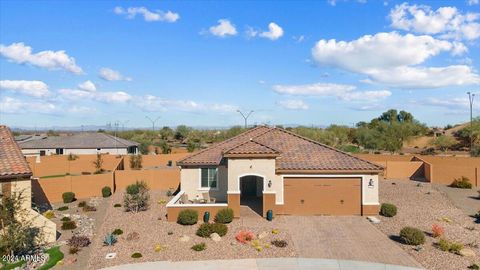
251 192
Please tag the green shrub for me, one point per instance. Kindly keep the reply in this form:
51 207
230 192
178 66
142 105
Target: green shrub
117 205
136 255
199 247
117 232
82 204
49 214
206 229
187 217
63 208
388 210
136 198
412 236
133 189
68 197
106 192
462 182
449 246
65 219
224 216
89 208
474 266
69 225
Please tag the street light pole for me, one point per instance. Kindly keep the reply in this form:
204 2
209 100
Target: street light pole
471 97
245 117
153 121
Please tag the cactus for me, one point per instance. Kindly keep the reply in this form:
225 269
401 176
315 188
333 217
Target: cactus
110 239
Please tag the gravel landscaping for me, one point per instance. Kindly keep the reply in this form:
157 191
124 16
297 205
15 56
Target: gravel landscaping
150 234
421 205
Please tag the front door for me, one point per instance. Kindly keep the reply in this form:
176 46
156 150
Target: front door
248 186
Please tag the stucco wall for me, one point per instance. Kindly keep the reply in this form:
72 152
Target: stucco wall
190 183
24 188
60 165
259 167
162 179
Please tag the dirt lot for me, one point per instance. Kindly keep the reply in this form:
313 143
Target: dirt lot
421 206
153 229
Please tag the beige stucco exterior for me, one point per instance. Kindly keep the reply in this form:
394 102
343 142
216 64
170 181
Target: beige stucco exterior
77 151
190 183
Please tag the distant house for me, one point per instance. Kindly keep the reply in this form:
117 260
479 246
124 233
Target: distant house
15 180
79 144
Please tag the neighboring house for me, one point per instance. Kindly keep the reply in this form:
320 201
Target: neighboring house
78 143
15 179
274 169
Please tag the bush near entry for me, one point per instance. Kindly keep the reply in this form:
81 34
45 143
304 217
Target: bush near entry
68 197
224 215
106 192
412 236
187 217
206 229
388 210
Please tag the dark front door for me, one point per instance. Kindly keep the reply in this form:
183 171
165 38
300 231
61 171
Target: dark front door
249 186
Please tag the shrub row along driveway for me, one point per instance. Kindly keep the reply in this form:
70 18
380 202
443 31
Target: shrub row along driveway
347 238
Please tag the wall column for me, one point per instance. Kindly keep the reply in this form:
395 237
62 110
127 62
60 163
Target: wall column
234 202
269 202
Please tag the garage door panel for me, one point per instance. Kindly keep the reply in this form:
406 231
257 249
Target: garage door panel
322 196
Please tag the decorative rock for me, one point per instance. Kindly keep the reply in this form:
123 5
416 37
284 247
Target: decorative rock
184 238
110 256
373 219
466 252
70 260
262 235
215 237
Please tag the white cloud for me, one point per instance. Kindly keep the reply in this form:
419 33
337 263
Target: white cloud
107 97
81 110
274 32
112 75
154 103
472 2
149 16
31 88
299 39
16 106
88 86
447 21
224 28
293 104
113 97
341 91
450 103
393 59
53 60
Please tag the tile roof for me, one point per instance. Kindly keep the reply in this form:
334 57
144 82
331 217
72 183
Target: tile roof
78 140
12 162
295 152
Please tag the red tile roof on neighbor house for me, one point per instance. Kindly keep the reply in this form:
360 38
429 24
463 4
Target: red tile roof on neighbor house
12 162
295 153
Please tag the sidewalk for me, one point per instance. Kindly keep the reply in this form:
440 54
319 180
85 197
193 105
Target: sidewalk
263 264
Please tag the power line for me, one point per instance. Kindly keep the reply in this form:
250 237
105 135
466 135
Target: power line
245 116
153 121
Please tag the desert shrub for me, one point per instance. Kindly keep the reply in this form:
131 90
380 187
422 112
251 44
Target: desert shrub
136 162
68 197
224 216
117 232
279 243
449 246
244 236
49 214
72 157
206 229
412 236
136 255
199 247
98 163
110 240
79 241
474 266
69 225
65 219
388 210
133 236
73 250
86 173
437 230
106 192
136 197
89 208
63 208
187 217
117 205
82 204
169 193
462 182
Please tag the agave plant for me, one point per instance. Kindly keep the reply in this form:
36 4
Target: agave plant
110 239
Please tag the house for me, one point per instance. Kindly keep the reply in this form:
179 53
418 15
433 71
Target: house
15 179
79 143
273 169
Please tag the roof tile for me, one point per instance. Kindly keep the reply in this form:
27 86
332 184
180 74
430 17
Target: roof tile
12 162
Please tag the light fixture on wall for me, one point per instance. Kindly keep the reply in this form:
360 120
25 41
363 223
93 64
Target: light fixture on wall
269 183
370 183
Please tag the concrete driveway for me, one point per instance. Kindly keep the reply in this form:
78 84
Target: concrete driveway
344 238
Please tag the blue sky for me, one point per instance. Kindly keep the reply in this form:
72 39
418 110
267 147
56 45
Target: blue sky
78 63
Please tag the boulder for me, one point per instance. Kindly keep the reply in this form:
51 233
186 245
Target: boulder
262 235
184 238
215 237
466 252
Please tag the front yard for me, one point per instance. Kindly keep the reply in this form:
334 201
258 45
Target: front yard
421 205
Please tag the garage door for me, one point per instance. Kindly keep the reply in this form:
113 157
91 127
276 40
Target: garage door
322 196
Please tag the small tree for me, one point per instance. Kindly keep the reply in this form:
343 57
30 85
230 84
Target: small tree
444 142
136 197
18 236
136 162
98 163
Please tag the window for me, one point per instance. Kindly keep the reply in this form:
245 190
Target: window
209 178
59 151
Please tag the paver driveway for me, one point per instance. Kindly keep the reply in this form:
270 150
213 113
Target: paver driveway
345 238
